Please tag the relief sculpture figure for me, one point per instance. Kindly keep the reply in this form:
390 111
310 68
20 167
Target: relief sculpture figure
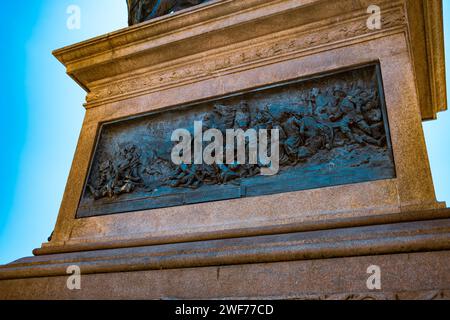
118 177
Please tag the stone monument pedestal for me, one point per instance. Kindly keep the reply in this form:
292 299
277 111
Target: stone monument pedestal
354 188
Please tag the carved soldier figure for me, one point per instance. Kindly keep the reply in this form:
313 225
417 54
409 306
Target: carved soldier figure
128 175
119 177
186 176
242 118
315 101
291 126
264 119
143 10
316 136
348 116
105 181
228 172
323 105
224 116
373 114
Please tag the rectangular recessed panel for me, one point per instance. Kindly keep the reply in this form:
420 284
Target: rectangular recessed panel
333 130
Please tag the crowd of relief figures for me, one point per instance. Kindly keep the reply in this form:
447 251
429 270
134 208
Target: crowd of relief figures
332 130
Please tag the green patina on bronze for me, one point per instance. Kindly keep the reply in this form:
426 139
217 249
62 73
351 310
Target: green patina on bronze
143 10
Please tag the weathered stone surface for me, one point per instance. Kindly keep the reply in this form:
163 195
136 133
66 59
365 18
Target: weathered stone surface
422 276
415 236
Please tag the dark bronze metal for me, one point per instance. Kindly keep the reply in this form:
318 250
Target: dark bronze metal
333 131
143 10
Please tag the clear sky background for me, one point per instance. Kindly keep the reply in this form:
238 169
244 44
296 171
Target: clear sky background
42 115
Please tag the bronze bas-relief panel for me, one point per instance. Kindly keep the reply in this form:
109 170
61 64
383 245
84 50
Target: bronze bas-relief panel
333 130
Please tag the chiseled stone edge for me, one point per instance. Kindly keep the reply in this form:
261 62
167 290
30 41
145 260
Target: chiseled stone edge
434 31
93 56
421 236
327 224
258 52
421 275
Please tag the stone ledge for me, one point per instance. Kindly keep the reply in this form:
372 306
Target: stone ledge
405 237
321 224
423 276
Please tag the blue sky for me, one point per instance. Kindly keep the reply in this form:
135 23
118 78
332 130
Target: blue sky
42 115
